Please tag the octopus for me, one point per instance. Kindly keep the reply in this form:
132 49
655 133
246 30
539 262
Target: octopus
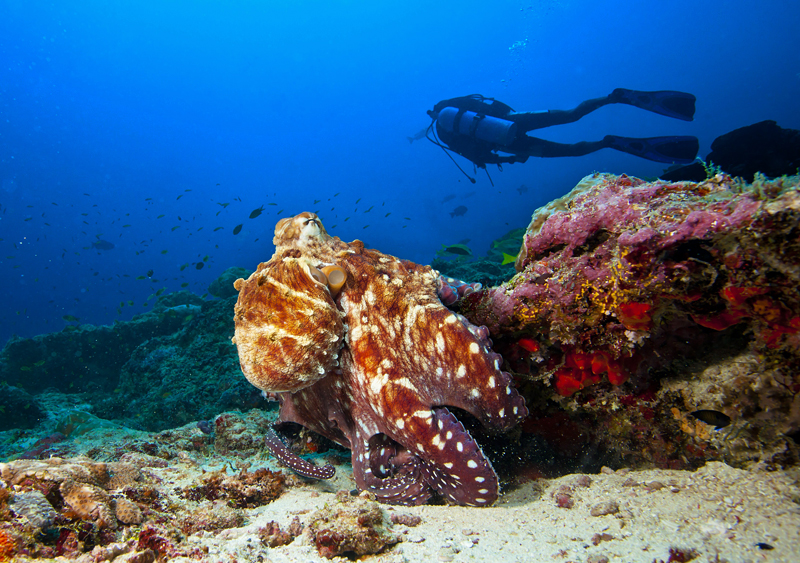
358 346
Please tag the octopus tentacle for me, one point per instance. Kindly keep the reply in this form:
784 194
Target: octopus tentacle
455 466
382 450
451 290
295 462
405 487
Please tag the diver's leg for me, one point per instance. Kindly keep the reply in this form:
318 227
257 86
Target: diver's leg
532 146
540 119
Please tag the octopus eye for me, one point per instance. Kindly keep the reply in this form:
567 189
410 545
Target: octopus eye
317 275
336 277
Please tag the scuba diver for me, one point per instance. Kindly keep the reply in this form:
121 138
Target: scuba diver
480 129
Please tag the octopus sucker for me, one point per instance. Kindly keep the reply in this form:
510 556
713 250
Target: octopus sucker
380 361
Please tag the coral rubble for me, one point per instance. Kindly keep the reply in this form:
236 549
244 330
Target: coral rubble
79 485
644 302
353 525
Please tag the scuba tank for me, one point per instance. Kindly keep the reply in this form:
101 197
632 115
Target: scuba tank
483 127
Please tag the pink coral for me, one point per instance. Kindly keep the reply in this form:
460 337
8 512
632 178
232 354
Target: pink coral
618 259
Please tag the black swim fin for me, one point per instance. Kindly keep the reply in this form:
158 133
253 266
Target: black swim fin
679 105
681 150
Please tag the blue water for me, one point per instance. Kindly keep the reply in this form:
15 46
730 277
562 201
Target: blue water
114 113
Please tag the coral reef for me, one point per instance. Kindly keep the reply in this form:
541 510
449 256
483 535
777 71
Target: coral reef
188 375
240 435
222 287
644 302
382 389
78 486
353 525
492 269
18 408
85 357
172 365
84 509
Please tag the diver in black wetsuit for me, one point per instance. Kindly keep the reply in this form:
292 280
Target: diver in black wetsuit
480 128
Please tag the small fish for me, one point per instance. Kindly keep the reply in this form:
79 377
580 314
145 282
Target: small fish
458 211
448 198
272 204
199 265
175 227
185 284
205 258
184 266
460 249
39 364
70 318
529 344
149 273
418 135
180 196
102 245
508 259
164 251
714 418
160 291
160 216
237 229
522 189
223 204
256 212
218 229
141 278
764 546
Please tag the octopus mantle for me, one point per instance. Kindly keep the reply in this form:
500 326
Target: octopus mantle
374 365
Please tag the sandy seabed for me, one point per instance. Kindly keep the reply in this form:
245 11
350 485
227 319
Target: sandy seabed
717 513
721 513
